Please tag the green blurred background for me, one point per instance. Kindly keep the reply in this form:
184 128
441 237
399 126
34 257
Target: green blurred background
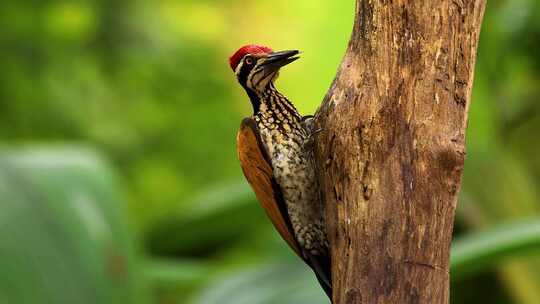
118 174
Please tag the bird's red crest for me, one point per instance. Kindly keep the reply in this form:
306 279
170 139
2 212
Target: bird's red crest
234 60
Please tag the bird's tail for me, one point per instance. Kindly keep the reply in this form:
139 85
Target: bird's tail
322 267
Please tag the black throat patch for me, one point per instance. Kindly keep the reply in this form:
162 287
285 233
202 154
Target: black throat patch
242 79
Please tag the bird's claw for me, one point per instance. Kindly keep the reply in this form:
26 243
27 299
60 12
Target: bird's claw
310 141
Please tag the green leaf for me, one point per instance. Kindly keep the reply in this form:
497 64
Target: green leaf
217 217
478 251
269 283
173 273
63 237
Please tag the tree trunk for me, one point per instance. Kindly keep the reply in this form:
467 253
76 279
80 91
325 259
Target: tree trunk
392 148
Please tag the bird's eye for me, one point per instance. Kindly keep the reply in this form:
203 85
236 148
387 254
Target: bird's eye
248 60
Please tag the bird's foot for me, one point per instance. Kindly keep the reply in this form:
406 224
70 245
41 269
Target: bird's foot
310 141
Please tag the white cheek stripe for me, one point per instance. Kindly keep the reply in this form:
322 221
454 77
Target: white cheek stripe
238 67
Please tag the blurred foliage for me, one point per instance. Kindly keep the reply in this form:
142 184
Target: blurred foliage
477 251
147 84
63 235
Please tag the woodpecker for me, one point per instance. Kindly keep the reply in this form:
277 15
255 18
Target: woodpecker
274 149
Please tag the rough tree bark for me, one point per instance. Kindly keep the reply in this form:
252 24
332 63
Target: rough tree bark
392 148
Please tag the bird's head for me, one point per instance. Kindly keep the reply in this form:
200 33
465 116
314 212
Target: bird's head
256 66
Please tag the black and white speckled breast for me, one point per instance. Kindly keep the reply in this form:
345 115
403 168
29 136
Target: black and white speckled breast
285 140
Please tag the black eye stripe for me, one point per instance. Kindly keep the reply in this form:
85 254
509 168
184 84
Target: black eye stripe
244 73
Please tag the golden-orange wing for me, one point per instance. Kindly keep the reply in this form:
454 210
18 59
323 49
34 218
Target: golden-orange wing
258 171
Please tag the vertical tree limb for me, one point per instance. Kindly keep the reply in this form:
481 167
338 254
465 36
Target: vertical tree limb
393 146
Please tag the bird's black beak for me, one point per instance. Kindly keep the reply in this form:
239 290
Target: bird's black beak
278 59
